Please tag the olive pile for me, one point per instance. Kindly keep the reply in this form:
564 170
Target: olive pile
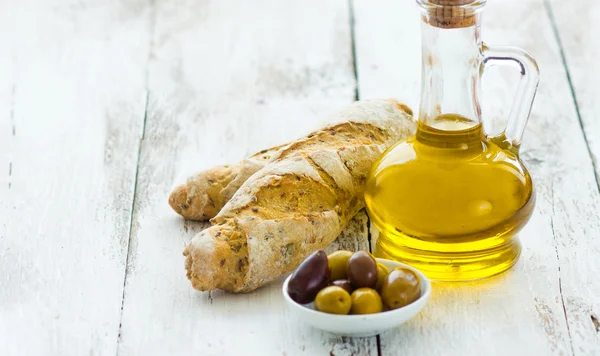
347 282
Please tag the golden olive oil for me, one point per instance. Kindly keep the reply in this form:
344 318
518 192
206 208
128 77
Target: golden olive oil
449 201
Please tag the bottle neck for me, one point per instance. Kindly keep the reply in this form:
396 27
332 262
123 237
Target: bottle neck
451 67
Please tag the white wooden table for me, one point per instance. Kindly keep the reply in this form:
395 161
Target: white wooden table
105 105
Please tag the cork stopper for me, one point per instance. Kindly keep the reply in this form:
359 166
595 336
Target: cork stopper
452 13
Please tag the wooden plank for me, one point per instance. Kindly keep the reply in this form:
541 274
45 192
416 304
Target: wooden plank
576 23
579 249
74 77
520 312
226 81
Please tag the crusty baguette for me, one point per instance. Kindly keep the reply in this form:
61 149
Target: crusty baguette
297 203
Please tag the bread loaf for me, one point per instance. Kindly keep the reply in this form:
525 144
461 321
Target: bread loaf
297 203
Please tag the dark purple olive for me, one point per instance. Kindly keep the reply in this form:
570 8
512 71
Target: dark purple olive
309 278
362 270
344 283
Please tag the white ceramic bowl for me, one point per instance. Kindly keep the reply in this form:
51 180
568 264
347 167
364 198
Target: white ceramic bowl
361 325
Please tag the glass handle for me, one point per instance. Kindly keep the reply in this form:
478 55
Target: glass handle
521 108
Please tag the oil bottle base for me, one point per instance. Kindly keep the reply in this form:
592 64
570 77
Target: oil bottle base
453 266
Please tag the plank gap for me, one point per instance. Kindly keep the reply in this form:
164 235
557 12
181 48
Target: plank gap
563 59
151 30
353 53
369 231
133 200
560 291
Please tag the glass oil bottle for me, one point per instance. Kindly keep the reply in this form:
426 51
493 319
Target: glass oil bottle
450 199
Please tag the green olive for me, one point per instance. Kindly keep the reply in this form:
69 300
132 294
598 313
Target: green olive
333 300
382 273
400 288
338 263
366 301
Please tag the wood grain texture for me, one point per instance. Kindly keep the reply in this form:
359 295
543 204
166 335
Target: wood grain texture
71 112
520 312
226 81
